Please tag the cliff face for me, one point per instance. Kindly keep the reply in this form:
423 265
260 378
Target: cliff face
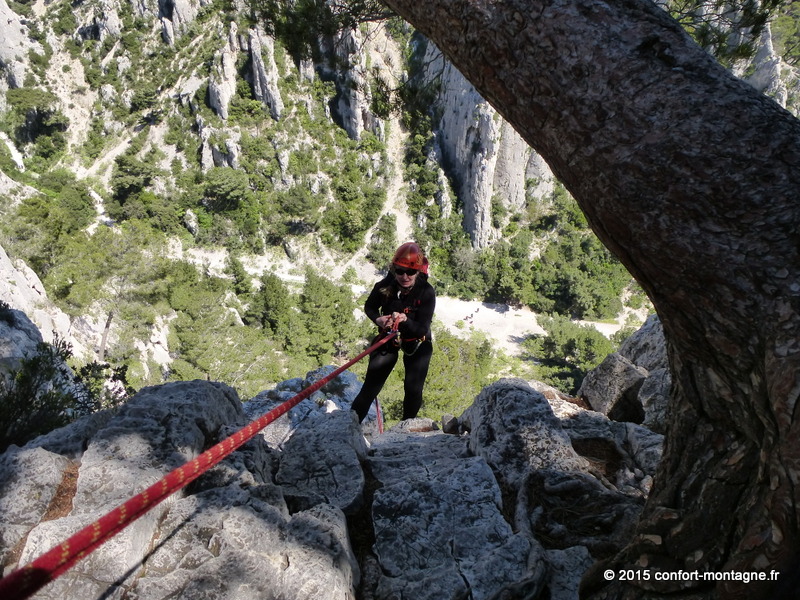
14 49
486 159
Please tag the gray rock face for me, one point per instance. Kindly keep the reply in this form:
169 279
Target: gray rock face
439 527
30 478
19 339
518 502
570 482
22 289
647 347
612 388
634 383
17 42
351 76
766 67
488 159
265 72
222 81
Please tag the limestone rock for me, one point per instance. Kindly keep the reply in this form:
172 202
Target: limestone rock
647 347
22 290
634 384
485 156
513 427
222 81
265 72
182 13
212 154
766 69
350 74
517 502
29 479
439 528
612 388
17 43
320 465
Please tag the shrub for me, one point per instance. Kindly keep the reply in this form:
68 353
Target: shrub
42 394
567 352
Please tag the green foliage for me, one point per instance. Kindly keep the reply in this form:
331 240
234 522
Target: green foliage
328 311
117 267
145 97
357 207
729 31
241 278
209 342
131 176
130 179
226 189
301 24
71 196
272 307
35 119
576 275
573 275
567 352
41 226
41 394
64 22
101 387
23 9
299 203
383 242
330 185
786 33
422 176
30 404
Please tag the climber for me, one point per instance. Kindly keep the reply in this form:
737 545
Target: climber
403 300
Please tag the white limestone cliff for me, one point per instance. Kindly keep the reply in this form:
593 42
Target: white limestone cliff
487 159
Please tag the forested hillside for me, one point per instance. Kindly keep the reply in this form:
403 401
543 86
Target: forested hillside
208 190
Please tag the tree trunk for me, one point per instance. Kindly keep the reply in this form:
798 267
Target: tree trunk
692 178
101 356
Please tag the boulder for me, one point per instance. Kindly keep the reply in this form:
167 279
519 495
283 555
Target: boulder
612 388
634 383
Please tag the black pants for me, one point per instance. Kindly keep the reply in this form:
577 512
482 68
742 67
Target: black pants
381 363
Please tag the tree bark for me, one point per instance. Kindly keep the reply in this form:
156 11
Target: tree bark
691 178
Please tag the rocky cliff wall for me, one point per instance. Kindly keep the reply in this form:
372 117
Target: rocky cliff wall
486 159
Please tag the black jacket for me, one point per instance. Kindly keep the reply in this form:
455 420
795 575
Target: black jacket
418 305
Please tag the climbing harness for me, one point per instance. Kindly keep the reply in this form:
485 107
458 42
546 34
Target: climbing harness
408 345
26 581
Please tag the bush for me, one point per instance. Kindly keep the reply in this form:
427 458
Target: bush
42 394
567 352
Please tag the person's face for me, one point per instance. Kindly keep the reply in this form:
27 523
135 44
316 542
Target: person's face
405 277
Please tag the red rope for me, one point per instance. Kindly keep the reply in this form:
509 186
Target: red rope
27 580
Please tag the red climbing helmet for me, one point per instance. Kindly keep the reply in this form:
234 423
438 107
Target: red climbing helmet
410 256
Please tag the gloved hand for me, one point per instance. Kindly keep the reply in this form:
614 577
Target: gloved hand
390 322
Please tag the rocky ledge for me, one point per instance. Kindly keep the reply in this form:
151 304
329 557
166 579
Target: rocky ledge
519 500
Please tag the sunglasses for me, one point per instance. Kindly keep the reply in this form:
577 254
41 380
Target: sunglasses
401 271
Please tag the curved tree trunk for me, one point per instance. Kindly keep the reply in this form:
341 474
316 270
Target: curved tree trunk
692 178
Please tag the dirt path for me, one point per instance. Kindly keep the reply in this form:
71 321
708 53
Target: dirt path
507 327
